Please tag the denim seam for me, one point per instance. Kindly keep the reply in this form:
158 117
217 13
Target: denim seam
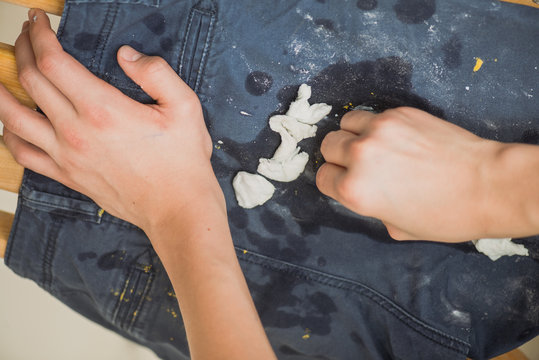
350 285
188 34
205 52
104 36
117 312
49 253
154 3
28 203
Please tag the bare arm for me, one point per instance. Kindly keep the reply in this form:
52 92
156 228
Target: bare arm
428 179
119 152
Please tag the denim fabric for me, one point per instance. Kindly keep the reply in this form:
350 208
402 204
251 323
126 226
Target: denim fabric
328 284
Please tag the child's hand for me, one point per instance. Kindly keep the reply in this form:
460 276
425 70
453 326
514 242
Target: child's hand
425 178
136 161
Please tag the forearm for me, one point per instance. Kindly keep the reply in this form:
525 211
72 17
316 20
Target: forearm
512 192
219 315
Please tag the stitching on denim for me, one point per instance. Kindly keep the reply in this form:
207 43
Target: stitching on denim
104 35
48 255
206 46
205 51
153 3
185 39
28 203
142 302
122 314
402 315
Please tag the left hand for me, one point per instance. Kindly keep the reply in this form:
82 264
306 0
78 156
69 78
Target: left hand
138 162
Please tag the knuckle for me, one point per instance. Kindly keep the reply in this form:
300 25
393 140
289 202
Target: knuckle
26 77
73 140
156 65
326 142
357 148
321 178
48 62
21 156
347 189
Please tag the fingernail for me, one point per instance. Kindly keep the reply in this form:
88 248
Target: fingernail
32 15
129 54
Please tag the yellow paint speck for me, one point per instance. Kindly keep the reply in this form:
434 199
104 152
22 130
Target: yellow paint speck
478 64
372 93
245 251
307 334
100 212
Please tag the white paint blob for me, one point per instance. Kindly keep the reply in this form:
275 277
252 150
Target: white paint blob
288 161
496 248
252 189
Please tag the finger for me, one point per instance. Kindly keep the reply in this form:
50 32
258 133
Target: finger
337 147
61 69
24 122
328 180
356 121
41 90
30 156
155 76
399 234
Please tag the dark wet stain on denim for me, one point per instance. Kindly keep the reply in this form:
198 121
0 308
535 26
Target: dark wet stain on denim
273 223
382 84
530 136
307 311
292 249
166 44
325 23
367 4
451 50
112 260
86 41
155 23
258 83
238 217
414 11
86 256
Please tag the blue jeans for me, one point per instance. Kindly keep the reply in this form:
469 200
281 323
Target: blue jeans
328 284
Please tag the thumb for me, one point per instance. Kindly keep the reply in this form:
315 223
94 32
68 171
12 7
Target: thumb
153 75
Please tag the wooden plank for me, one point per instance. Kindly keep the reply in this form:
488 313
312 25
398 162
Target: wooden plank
55 7
10 171
8 75
531 3
512 355
6 220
